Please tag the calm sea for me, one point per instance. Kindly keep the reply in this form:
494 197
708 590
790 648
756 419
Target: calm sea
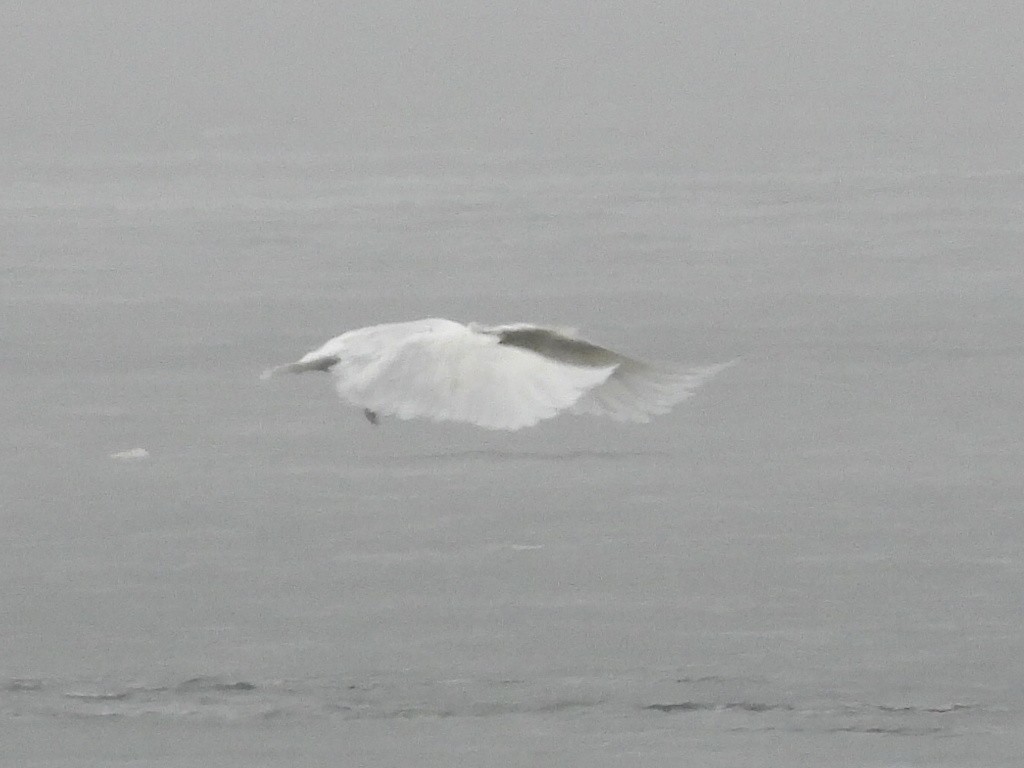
818 560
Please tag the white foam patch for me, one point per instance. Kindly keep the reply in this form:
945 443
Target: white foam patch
133 454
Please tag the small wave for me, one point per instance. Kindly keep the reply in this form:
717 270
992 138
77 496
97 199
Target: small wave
704 706
98 695
23 684
682 706
916 710
201 683
405 713
493 709
887 730
735 704
753 706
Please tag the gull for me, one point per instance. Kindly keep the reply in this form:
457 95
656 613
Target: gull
497 377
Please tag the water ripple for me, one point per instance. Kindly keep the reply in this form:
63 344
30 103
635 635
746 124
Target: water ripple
214 698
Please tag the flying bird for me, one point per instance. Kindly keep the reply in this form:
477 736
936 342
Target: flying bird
496 377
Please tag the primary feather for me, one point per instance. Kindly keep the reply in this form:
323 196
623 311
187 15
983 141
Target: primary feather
497 377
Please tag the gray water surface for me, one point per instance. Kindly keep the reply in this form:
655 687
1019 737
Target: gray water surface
816 560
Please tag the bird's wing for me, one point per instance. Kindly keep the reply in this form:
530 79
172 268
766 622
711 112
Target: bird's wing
465 374
636 391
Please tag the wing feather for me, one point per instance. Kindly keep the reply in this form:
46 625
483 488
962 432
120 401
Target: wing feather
636 390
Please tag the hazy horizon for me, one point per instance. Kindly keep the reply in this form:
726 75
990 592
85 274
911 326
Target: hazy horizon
763 84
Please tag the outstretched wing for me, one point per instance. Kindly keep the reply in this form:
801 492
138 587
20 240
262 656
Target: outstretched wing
636 390
457 373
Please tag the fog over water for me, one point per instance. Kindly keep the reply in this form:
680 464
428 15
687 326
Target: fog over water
776 84
817 560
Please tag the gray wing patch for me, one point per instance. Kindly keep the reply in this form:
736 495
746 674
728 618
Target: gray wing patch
561 348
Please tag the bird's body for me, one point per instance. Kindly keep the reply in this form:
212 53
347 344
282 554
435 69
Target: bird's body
497 377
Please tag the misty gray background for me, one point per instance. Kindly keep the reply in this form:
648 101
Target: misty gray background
816 561
699 83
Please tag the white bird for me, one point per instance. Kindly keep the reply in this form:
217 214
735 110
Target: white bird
497 377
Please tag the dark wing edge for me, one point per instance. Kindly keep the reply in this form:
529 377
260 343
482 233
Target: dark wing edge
554 345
